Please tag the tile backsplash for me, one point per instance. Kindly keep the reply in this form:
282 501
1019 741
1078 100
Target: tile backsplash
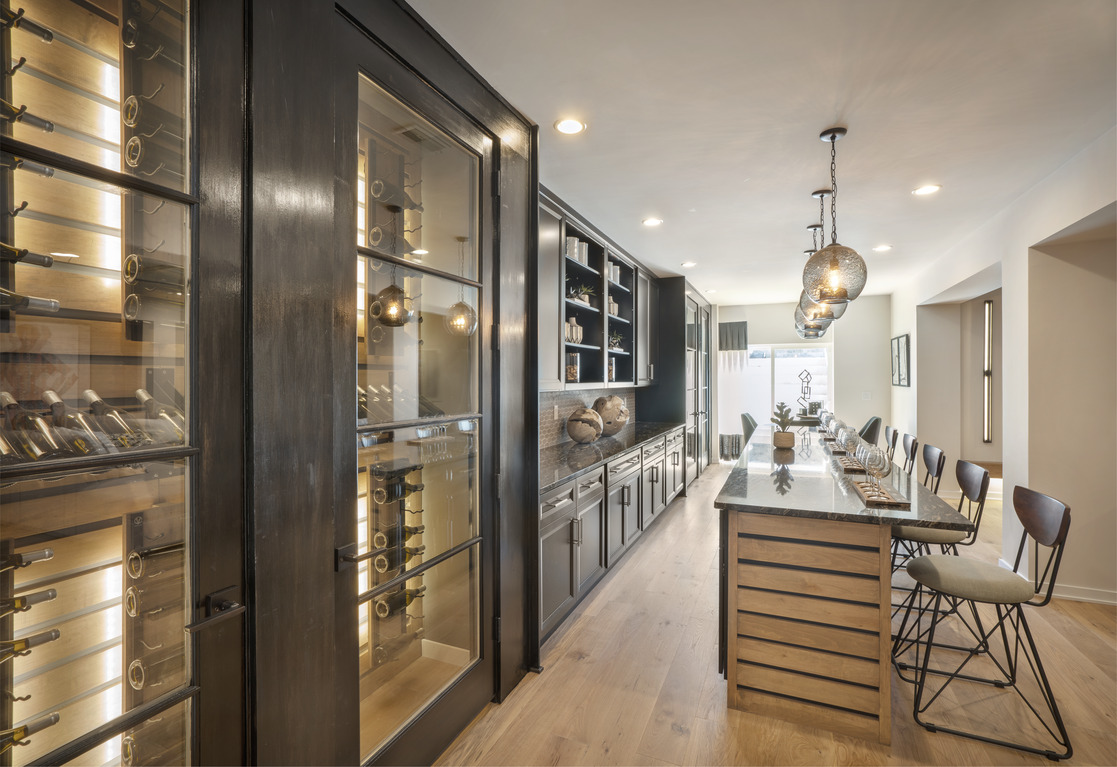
552 431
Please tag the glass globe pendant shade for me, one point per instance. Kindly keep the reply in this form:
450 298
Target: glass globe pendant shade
809 323
834 275
461 320
392 307
820 311
809 335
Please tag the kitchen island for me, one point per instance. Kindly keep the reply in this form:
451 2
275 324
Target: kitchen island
805 619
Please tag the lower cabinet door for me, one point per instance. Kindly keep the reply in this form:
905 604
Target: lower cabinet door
631 500
659 485
557 575
614 524
590 542
674 468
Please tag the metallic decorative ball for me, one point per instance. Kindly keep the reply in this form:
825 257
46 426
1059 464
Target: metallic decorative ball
613 412
584 425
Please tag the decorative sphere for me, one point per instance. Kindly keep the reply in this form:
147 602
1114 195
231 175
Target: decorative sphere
584 425
834 275
614 414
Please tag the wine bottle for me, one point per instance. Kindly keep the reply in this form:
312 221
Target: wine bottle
395 490
16 735
121 427
379 237
155 599
86 438
23 559
156 670
16 20
12 648
394 469
139 268
11 162
395 535
12 300
19 114
389 649
10 452
147 119
38 437
147 44
149 157
169 417
393 559
159 740
166 557
24 256
397 601
24 603
388 193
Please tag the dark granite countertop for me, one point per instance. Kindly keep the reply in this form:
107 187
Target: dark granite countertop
561 462
814 486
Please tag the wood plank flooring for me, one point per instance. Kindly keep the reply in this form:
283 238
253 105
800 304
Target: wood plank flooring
631 677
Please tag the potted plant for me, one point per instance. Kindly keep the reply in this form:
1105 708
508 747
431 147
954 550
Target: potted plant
783 436
615 339
584 293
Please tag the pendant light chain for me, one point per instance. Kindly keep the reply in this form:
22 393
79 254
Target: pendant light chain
833 189
822 218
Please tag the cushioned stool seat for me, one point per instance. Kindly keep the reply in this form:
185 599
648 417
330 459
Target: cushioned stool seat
969 579
929 534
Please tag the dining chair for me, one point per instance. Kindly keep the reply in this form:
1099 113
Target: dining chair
910 444
909 541
890 437
870 432
951 586
748 427
935 461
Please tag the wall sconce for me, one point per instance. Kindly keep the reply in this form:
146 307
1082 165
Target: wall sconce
987 383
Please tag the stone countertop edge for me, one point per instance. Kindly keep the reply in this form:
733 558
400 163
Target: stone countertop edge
554 461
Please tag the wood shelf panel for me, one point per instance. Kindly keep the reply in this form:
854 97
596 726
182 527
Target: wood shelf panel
828 611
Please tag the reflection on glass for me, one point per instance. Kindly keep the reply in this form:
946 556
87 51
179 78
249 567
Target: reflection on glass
416 363
160 740
111 545
417 188
415 640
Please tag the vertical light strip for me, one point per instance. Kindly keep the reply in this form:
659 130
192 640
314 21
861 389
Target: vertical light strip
987 394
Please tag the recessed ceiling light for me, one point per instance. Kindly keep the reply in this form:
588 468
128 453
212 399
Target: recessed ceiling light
653 221
570 126
928 189
689 264
882 248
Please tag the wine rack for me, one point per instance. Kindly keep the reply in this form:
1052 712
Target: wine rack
94 337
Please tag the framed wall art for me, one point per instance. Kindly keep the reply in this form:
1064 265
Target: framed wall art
901 359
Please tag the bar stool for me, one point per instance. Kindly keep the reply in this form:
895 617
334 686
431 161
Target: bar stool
910 444
890 437
935 460
871 430
748 427
946 584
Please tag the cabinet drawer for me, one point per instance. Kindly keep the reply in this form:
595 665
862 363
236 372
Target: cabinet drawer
652 451
557 501
674 438
590 485
623 464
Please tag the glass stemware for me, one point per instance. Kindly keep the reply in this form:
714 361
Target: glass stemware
877 465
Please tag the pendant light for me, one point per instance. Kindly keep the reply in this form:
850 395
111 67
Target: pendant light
809 335
461 320
818 238
392 306
835 274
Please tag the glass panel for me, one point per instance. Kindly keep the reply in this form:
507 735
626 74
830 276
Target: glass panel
162 739
93 590
412 651
92 333
421 346
108 90
417 187
789 365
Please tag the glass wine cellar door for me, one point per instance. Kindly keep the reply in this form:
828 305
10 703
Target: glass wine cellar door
421 558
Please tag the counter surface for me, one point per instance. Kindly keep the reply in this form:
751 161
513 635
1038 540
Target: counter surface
811 484
570 459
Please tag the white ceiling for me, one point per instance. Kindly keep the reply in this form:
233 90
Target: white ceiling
706 113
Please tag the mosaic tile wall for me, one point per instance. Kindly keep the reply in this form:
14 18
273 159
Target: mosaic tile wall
552 430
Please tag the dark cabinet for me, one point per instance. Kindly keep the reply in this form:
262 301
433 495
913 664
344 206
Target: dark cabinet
653 496
589 542
557 583
549 296
674 465
571 545
647 321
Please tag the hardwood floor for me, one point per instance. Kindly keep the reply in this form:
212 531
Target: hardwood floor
631 677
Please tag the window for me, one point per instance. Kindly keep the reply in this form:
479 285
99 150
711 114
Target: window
753 381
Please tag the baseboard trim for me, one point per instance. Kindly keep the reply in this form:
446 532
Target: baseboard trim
1085 594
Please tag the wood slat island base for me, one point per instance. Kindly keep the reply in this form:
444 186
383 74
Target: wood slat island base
808 630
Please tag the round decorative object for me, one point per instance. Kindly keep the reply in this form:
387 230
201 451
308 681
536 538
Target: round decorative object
834 275
783 439
461 320
824 312
807 323
584 425
392 307
614 414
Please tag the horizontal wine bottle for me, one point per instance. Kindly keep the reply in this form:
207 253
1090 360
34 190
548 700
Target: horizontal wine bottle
397 601
37 437
16 20
166 416
24 256
11 162
388 193
395 490
24 603
11 648
394 469
380 237
25 558
12 300
147 119
19 114
16 735
157 670
159 740
154 561
81 425
395 534
393 559
388 650
10 451
121 428
147 44
149 156
155 599
139 268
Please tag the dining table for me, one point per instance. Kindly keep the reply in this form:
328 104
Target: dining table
806 583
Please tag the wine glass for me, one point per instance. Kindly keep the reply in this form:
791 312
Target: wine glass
877 464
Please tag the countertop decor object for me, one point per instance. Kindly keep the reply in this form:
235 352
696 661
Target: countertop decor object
614 414
783 437
584 425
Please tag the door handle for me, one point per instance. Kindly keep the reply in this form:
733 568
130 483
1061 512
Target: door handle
218 608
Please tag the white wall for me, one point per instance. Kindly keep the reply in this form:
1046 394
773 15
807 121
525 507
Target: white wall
940 388
769 323
1073 403
863 362
1086 184
973 380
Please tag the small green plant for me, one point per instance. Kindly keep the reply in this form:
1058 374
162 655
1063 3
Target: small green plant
615 339
586 290
782 417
